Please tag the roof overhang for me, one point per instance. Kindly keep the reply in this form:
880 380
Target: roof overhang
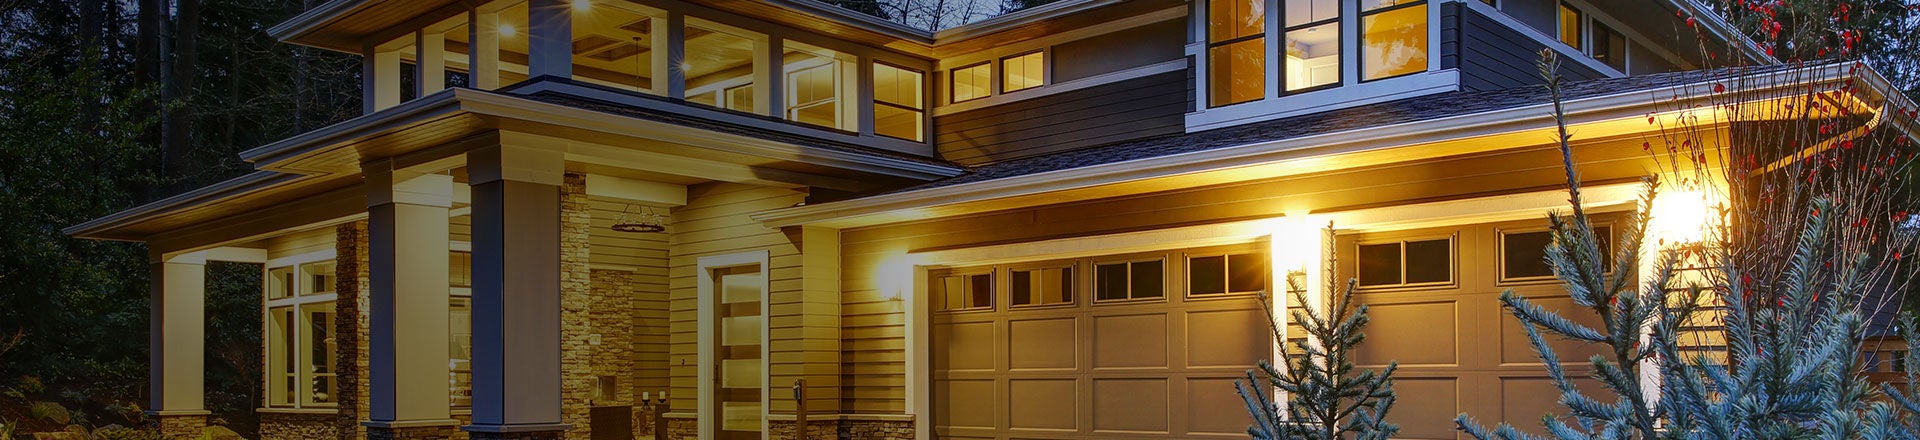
1600 116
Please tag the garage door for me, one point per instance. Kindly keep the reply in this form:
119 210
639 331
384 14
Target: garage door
1125 346
1434 301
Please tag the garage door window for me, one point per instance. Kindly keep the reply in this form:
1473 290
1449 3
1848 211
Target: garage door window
1523 255
1406 263
1041 286
1130 280
1224 274
964 291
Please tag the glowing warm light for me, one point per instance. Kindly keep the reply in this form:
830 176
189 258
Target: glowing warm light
582 4
507 30
1295 244
1681 216
895 276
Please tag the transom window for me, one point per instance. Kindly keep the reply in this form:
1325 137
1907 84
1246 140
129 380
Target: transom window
1406 263
1244 272
1040 286
972 82
1127 280
1021 72
967 291
1153 276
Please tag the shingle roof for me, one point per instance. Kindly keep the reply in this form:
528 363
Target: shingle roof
1365 116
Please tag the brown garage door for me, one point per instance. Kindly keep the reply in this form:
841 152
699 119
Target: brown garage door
1434 301
1127 346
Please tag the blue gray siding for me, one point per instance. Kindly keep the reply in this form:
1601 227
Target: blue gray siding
1492 56
1124 110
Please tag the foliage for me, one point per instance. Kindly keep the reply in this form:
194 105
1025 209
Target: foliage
7 428
1885 33
1326 398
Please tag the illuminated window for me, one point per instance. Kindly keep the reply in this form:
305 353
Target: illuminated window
1609 47
1130 280
301 348
1570 25
460 330
1406 263
1236 51
613 46
1041 286
817 84
1021 72
1393 38
1313 44
898 110
963 291
972 82
717 61
1231 273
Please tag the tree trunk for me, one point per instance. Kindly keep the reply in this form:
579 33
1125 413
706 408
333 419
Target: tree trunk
177 144
148 48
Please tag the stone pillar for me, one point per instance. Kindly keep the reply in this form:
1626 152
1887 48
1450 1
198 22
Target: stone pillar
352 323
550 38
407 262
516 292
579 355
178 345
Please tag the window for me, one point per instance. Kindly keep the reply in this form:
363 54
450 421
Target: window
1523 255
1609 47
460 329
1130 280
898 110
963 291
300 336
1021 72
972 82
1236 51
1313 44
719 60
817 80
1041 286
1393 38
1230 273
1570 25
1406 263
613 46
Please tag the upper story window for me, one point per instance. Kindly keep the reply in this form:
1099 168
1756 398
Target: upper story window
1572 22
818 85
1313 44
613 45
899 109
1236 51
972 82
1393 38
1021 72
1609 47
719 67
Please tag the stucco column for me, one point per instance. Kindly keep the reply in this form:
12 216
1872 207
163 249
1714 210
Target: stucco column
407 270
178 345
516 292
550 38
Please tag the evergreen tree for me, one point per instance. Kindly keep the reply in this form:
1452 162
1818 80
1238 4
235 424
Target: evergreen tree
1326 398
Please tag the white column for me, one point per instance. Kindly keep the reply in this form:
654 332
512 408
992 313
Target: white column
430 48
516 289
549 38
483 51
178 335
380 76
407 259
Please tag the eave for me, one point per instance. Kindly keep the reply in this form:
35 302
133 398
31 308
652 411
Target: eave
1600 116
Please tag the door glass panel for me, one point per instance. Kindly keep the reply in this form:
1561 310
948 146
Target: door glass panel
1380 264
737 351
1207 275
1149 279
1430 261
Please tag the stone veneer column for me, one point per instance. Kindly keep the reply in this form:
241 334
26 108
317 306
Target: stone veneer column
577 356
351 325
408 252
177 372
517 299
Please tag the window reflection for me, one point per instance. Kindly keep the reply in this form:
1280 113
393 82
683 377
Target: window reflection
1393 39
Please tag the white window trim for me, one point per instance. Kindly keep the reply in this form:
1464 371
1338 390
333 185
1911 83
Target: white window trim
294 300
707 339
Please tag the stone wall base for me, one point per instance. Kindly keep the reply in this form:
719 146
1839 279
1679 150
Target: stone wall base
682 428
816 430
299 426
535 435
181 427
877 429
444 432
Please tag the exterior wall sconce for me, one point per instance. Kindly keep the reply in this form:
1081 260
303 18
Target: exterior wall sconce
1681 217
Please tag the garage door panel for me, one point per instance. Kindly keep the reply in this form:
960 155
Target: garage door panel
964 346
1426 407
1130 405
1045 404
1130 341
1043 344
1213 407
1415 334
1523 400
1516 350
1226 338
965 403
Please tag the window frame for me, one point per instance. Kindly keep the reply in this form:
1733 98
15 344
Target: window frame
1128 260
1453 262
1339 20
1074 278
298 298
1594 30
1500 252
953 82
1042 52
1360 40
1579 43
993 282
1207 46
1226 253
920 112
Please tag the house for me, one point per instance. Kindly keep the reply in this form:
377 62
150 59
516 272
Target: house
570 219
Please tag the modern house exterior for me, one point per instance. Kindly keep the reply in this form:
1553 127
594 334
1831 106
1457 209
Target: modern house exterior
741 219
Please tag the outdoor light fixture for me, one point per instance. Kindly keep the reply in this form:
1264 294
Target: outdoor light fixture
645 220
506 30
1681 216
582 4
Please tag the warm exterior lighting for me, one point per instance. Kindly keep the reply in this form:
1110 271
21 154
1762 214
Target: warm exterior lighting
1681 216
507 30
582 4
894 278
1295 244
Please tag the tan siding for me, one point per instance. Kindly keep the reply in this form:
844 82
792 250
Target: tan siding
300 243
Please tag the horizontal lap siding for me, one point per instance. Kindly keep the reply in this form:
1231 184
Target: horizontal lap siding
1493 56
874 333
1131 109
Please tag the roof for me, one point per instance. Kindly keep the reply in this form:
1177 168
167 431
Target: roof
1348 119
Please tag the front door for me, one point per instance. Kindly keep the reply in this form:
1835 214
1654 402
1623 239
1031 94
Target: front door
738 392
